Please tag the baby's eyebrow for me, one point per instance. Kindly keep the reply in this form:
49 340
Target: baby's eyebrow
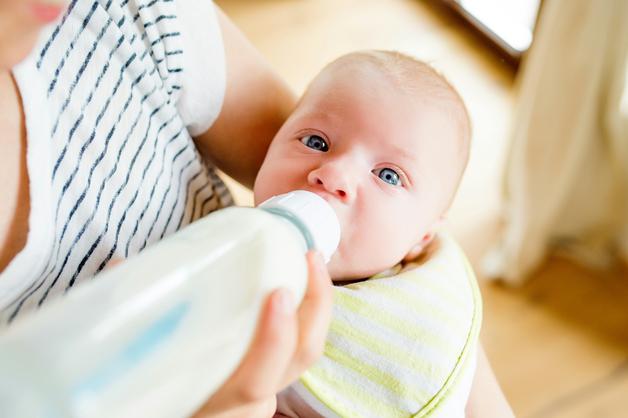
404 154
407 160
325 122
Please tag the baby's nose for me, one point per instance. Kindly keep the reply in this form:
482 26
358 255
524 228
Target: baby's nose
333 179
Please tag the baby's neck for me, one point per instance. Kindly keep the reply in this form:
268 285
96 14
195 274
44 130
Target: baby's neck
401 266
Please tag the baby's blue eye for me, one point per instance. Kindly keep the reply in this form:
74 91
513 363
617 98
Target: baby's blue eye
389 175
315 142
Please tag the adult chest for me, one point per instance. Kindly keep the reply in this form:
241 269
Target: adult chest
14 185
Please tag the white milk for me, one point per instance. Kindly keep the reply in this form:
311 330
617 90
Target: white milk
156 335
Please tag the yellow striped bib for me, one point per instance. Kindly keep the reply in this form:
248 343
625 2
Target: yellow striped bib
401 346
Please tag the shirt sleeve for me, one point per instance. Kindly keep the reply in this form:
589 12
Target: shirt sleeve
203 81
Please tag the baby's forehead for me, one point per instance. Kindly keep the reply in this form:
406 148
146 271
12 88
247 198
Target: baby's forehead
403 78
407 73
401 74
415 113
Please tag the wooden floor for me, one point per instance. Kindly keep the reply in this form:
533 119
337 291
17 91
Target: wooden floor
559 345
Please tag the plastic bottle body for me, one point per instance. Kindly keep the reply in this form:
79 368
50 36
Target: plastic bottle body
157 334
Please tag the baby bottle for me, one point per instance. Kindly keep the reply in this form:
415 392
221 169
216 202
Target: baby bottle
156 335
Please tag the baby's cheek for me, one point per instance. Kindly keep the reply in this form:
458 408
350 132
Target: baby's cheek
272 181
264 188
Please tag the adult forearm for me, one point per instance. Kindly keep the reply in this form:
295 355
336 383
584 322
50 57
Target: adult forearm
486 399
257 102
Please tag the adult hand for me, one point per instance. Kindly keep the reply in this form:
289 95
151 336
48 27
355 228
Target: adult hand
486 399
286 343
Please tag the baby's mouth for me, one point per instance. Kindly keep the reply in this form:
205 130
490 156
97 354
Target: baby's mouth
329 197
334 202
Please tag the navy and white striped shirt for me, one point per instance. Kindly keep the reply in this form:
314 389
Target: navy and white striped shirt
109 117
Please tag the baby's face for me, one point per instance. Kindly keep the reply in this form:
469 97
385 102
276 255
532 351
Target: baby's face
381 159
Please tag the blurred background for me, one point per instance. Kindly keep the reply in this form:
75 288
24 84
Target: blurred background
542 210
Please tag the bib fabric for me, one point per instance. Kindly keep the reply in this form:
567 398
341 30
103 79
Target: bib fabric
400 346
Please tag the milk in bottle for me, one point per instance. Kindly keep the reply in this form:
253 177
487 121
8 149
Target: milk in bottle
156 335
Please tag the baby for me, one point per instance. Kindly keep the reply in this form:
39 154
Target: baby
385 140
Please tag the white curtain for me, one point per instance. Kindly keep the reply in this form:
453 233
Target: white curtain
566 179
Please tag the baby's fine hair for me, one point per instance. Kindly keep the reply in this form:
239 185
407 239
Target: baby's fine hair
413 76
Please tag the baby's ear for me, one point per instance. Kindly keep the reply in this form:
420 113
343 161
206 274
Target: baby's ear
418 248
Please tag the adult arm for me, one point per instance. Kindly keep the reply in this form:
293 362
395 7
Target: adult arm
288 340
256 104
486 399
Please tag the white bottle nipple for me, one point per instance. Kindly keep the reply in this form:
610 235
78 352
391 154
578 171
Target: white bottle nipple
315 214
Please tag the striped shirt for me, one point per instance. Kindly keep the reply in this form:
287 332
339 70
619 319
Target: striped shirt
112 95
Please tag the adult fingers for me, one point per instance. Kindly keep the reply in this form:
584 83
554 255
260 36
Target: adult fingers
260 373
314 317
262 409
113 262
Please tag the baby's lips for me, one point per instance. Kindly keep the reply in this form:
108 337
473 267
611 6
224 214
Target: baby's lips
322 193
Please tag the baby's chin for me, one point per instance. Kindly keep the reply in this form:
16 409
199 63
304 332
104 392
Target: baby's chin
343 271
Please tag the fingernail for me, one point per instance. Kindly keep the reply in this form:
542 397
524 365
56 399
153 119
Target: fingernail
284 302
